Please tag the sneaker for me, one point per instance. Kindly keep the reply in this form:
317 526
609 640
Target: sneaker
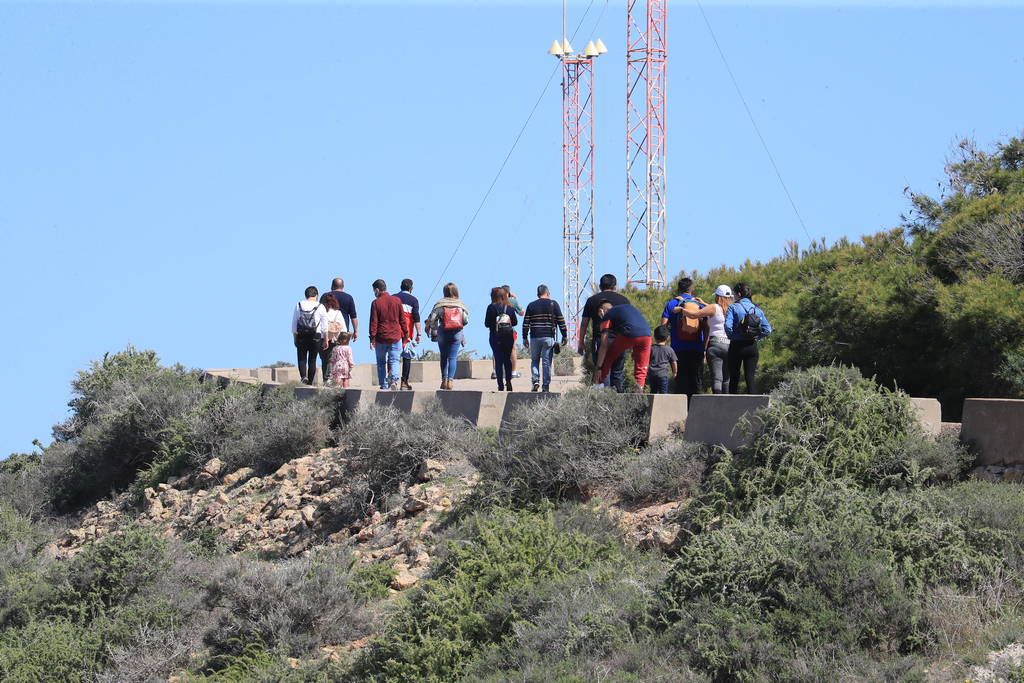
546 389
494 375
393 387
536 386
516 375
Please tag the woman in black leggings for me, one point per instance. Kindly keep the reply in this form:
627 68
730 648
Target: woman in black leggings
745 325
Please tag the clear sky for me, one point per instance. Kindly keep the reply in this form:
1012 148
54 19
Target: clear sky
172 175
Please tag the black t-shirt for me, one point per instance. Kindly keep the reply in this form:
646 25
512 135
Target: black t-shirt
594 303
347 305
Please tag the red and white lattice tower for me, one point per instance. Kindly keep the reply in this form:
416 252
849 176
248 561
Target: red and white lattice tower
646 91
577 175
577 185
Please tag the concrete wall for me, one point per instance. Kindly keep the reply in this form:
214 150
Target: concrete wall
716 418
996 428
929 414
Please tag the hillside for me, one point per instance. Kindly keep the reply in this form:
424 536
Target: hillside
182 531
933 306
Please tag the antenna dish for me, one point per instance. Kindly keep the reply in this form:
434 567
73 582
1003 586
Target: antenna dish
566 47
556 49
590 50
601 49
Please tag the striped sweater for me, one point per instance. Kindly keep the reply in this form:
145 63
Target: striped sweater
542 318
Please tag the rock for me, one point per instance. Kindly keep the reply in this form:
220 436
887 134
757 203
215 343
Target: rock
222 498
161 487
403 579
414 505
238 476
308 514
365 534
1013 474
430 469
214 467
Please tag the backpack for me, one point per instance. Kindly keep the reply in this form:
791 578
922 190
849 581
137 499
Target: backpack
333 330
688 329
451 319
503 324
306 326
754 325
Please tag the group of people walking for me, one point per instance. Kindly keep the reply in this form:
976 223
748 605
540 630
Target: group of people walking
724 335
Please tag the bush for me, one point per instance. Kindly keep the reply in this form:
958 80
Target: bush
294 605
256 665
665 471
825 425
371 581
481 589
50 651
386 449
565 447
828 569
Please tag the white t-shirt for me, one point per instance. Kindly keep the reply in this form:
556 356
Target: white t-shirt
319 315
716 324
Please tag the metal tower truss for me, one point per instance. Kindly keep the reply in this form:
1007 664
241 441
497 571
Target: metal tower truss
577 185
646 89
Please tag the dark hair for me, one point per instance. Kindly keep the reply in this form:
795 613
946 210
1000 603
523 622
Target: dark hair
685 285
379 285
406 285
661 333
312 291
329 302
542 290
451 290
337 283
499 295
344 337
607 282
742 291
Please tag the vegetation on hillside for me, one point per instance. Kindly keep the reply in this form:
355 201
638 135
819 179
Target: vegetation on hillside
933 306
840 544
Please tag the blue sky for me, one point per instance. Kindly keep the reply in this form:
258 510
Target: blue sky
172 175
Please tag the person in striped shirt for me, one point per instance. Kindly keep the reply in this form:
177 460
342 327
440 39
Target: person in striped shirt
542 320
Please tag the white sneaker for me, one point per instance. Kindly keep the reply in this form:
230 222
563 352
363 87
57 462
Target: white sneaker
516 374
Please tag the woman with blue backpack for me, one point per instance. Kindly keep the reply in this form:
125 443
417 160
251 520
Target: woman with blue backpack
745 325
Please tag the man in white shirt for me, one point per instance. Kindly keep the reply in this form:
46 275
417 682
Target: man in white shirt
309 328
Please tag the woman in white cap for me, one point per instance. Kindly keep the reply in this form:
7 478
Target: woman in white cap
716 347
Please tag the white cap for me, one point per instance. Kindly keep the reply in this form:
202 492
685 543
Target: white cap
723 290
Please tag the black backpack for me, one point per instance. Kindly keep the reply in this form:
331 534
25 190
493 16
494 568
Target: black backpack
306 326
752 323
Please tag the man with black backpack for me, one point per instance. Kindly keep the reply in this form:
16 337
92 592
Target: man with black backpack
309 327
543 317
745 325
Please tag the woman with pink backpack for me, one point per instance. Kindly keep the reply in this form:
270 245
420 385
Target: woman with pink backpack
444 325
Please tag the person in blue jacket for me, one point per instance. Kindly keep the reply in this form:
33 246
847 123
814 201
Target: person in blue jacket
745 325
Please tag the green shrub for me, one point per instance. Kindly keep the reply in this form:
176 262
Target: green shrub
57 651
824 425
667 470
371 581
256 665
567 446
481 590
821 568
294 605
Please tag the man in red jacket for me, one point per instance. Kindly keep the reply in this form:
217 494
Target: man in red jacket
387 334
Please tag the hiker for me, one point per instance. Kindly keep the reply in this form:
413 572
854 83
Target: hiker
335 326
387 336
347 306
716 347
513 301
542 320
688 335
500 319
341 361
623 327
444 325
411 323
607 293
745 325
662 367
309 326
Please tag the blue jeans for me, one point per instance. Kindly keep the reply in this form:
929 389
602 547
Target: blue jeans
658 383
541 349
449 343
617 378
388 362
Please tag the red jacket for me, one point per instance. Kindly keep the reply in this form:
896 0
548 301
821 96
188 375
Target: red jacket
386 320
